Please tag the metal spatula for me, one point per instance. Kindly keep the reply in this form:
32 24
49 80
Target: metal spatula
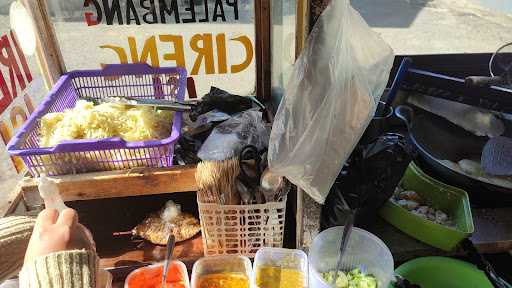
497 156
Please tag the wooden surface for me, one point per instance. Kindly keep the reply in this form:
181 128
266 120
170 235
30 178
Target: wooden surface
127 252
13 201
493 229
124 183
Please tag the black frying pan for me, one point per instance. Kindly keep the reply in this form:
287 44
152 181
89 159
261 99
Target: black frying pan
438 139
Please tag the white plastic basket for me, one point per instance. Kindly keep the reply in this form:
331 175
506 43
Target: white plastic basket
241 229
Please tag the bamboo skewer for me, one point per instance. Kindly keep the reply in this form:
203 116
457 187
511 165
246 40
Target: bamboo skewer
216 182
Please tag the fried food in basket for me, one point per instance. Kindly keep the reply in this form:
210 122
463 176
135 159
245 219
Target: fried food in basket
157 226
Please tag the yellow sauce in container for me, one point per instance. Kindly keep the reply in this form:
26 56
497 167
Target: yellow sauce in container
224 280
277 277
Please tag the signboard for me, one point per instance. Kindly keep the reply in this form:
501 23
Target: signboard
213 39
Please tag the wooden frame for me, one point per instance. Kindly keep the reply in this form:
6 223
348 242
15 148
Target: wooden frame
302 25
121 183
48 52
263 51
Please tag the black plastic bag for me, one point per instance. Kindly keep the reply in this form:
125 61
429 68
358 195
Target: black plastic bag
367 181
221 100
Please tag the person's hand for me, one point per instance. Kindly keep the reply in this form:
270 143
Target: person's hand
55 233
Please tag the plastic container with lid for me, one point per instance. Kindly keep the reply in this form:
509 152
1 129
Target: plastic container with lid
282 268
237 265
151 276
363 249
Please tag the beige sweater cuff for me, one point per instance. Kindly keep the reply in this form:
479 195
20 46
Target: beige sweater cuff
14 237
67 269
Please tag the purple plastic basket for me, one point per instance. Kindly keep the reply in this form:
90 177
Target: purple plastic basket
88 155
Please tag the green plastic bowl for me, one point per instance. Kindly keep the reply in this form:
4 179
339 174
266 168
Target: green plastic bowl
443 272
451 200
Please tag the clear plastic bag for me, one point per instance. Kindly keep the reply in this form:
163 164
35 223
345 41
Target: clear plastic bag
229 137
330 99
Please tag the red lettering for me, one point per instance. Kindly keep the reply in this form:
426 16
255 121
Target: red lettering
9 60
89 15
22 58
6 94
89 20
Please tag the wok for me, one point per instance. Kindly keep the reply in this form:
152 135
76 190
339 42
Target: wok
438 139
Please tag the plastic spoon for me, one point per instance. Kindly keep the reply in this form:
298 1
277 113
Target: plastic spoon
168 257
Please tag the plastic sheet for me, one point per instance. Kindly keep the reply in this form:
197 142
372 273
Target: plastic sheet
330 99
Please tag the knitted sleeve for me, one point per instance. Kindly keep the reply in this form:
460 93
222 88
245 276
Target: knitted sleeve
66 269
14 237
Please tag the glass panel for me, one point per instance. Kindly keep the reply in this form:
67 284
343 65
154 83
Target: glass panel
283 45
21 89
213 39
439 26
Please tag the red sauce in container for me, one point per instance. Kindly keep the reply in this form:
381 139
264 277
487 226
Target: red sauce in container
151 277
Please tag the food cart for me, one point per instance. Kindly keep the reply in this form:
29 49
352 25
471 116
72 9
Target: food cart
112 203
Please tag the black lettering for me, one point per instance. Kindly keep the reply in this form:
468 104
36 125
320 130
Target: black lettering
111 11
218 3
151 11
205 12
173 9
99 12
234 4
131 13
192 9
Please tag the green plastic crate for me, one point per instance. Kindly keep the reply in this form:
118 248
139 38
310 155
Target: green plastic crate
451 200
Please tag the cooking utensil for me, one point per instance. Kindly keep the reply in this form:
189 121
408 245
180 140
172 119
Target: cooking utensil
246 195
347 229
271 185
251 173
437 139
482 264
284 191
180 106
250 161
168 257
497 156
483 81
500 68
